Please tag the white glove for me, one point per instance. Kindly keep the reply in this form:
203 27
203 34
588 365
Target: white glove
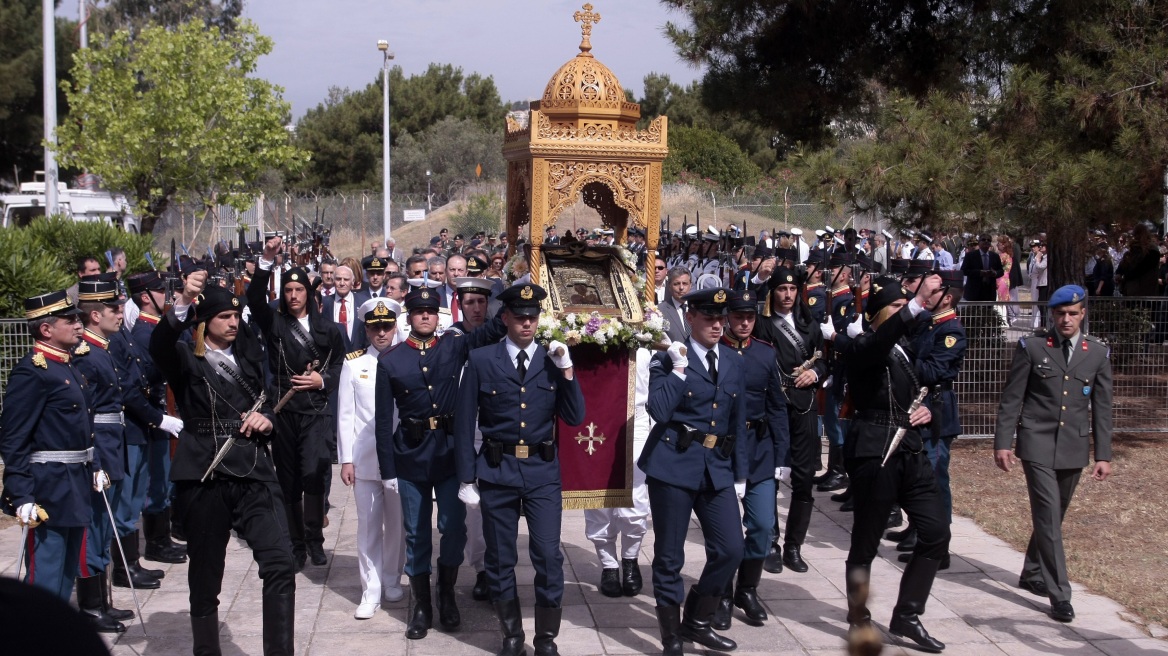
562 361
100 481
27 513
172 425
827 383
468 493
856 327
827 330
677 353
740 489
782 473
390 485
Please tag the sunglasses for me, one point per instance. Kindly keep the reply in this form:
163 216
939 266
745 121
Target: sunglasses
660 268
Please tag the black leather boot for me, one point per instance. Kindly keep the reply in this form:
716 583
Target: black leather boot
897 536
176 527
841 497
836 479
511 622
314 528
482 589
915 585
279 624
295 514
669 622
422 616
696 625
895 518
610 582
724 611
631 582
861 633
159 547
547 627
909 542
107 600
142 579
205 635
448 615
798 519
89 602
746 594
773 562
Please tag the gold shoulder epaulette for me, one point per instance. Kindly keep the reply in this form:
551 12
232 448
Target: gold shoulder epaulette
38 359
82 348
355 354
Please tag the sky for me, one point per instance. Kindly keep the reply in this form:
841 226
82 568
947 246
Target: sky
521 43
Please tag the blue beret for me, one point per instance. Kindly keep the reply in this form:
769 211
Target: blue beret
1067 295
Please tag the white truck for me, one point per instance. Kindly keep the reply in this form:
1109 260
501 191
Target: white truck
19 209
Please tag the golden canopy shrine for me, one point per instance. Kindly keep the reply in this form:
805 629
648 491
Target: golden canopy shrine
581 142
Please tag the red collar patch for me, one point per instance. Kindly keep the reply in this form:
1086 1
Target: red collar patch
947 315
51 352
149 318
96 340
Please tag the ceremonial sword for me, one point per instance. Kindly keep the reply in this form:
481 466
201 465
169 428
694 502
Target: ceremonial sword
222 452
900 432
125 563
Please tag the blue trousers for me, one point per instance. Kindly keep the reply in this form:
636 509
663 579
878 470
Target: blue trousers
717 512
160 489
937 449
417 500
834 427
543 506
52 557
758 517
133 492
100 533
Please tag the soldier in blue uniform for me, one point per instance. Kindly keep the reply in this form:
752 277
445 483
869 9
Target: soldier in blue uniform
515 390
883 386
696 462
46 442
420 376
305 355
814 290
149 292
101 309
841 306
218 386
767 440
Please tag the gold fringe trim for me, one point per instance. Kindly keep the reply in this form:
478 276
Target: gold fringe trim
200 340
597 499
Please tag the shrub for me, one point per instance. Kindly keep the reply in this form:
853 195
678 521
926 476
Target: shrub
482 213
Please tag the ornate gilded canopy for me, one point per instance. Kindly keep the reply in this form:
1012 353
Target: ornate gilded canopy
581 141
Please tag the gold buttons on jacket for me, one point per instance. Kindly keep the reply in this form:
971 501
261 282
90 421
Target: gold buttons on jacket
715 406
523 424
522 390
523 406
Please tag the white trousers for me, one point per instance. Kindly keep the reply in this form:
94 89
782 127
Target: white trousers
603 526
381 544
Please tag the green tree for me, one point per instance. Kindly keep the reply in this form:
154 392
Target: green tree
482 213
708 154
21 91
451 150
177 111
136 15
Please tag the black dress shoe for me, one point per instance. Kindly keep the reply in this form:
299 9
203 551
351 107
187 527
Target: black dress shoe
723 614
908 544
894 519
631 581
848 506
316 554
837 481
793 559
841 497
897 536
481 589
1062 611
1036 587
773 562
610 582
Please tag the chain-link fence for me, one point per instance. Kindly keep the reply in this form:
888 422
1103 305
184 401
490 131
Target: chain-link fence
15 343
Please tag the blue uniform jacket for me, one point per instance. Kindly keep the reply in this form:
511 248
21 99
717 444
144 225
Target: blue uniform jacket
93 359
764 401
142 417
46 409
142 331
697 403
513 411
940 350
422 380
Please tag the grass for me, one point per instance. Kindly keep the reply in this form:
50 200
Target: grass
1113 532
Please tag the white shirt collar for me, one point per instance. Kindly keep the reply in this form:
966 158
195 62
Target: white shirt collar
513 351
701 351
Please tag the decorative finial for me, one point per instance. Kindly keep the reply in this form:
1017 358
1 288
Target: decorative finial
587 17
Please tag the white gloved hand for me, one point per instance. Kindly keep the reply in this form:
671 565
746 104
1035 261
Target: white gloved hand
827 383
564 359
468 493
677 353
827 330
740 489
782 473
26 513
390 485
100 481
856 327
172 425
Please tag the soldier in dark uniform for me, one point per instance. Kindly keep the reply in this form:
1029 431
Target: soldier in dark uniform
305 355
814 291
421 376
842 308
101 309
516 390
46 442
767 441
695 463
218 386
883 386
787 324
149 292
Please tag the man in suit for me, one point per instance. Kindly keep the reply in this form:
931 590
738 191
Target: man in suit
660 273
673 309
375 272
696 462
342 308
1051 385
981 269
516 390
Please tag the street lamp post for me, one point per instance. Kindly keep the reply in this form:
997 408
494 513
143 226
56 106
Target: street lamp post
429 202
383 46
49 73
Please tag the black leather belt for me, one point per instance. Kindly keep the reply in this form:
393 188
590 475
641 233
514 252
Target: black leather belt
882 418
495 450
207 428
416 428
946 386
687 436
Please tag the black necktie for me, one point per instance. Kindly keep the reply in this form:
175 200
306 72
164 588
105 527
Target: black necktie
985 260
1066 351
712 364
522 366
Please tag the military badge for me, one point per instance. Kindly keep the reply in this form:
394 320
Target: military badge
425 294
811 301
294 277
950 341
526 293
234 302
790 279
746 296
720 296
1087 391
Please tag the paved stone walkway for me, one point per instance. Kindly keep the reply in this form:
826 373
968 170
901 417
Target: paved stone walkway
975 608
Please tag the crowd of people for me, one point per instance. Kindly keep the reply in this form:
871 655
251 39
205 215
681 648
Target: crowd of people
419 377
